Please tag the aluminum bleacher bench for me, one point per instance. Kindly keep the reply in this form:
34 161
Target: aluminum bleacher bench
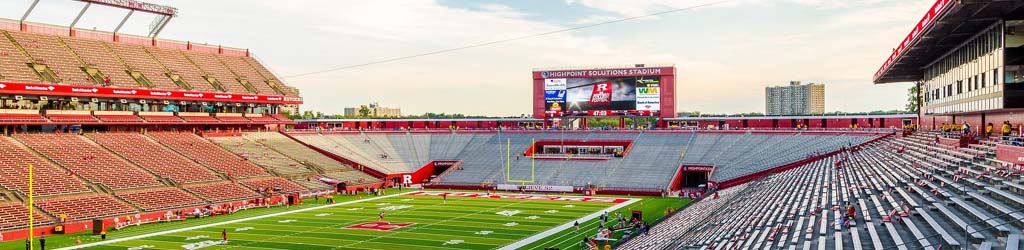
985 246
1004 211
1013 241
959 221
993 222
949 239
1016 198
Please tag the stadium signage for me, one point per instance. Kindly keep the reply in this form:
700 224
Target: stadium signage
605 73
698 168
124 92
937 9
79 91
84 90
139 6
535 188
555 84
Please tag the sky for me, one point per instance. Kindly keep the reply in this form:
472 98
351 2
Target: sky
725 54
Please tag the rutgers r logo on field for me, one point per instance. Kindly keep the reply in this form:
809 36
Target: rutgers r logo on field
380 225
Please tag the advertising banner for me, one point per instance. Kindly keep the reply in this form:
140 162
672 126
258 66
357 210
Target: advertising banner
535 188
602 96
116 92
648 95
554 84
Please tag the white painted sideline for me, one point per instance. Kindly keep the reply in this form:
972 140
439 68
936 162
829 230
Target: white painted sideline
565 226
222 223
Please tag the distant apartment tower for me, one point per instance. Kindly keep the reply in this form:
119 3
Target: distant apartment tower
795 99
375 110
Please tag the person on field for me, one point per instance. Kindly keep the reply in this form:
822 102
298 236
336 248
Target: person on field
577 225
224 235
380 217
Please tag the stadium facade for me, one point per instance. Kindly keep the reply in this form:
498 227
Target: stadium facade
965 56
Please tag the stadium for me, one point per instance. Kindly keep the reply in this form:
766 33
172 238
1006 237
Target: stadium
121 141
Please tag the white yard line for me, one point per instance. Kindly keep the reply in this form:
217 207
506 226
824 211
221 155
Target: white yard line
567 225
221 223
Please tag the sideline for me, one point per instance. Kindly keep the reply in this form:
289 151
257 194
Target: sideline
141 236
567 225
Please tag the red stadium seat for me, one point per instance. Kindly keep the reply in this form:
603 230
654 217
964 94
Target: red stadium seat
85 207
221 191
154 199
49 179
209 154
14 215
89 160
155 157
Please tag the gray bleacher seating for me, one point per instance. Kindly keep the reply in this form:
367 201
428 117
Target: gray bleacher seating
908 194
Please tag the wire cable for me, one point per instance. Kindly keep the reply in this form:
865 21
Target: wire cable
505 40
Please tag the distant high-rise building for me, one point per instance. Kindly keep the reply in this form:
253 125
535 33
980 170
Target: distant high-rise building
375 110
795 99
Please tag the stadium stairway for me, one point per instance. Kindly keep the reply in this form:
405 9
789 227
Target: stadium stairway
906 196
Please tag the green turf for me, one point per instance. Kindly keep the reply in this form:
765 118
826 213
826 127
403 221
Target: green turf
653 208
461 219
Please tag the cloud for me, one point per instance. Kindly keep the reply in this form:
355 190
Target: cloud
503 10
724 56
592 19
490 80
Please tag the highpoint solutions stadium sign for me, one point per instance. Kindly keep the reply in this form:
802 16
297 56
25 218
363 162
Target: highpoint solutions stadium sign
603 73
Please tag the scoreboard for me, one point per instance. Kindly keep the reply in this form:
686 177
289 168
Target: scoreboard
597 92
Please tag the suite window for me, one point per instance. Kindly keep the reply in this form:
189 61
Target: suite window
982 80
995 77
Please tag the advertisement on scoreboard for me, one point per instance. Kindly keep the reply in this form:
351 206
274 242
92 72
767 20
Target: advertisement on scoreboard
602 96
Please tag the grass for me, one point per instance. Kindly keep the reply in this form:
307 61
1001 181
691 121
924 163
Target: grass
461 223
653 208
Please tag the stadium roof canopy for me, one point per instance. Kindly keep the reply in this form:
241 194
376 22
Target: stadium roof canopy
947 24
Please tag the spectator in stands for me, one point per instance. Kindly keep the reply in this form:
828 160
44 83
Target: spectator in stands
851 212
966 128
1006 129
106 81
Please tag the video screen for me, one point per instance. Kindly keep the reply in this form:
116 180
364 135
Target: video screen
583 96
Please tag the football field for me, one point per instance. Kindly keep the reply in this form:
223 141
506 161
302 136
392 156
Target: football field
416 220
